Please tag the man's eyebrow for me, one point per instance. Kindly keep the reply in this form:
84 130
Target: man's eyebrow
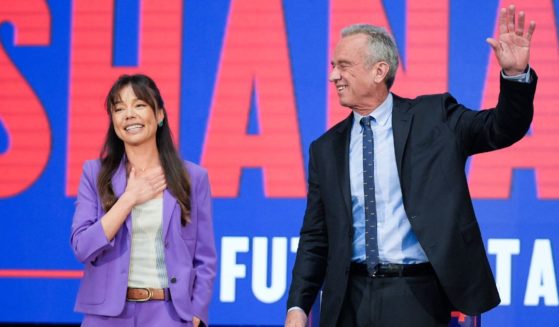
341 61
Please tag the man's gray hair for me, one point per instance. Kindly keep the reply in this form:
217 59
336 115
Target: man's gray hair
381 47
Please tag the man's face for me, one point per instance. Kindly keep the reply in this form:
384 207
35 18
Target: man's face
353 79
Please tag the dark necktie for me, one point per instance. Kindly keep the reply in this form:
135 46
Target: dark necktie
371 243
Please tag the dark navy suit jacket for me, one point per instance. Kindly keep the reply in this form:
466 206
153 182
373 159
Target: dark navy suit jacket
433 137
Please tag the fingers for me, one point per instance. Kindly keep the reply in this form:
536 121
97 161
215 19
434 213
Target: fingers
157 179
503 21
493 43
531 30
296 318
520 27
155 176
156 184
510 19
507 23
145 190
159 186
146 185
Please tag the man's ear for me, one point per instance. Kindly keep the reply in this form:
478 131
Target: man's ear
380 70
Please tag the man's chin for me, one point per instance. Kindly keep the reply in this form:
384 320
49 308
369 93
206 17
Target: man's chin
345 104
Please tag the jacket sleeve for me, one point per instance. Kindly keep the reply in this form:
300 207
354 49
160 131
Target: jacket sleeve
499 127
310 263
205 253
88 239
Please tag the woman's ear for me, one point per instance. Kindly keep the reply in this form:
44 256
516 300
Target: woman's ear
160 117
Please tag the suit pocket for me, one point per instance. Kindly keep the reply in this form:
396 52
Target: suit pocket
188 289
191 283
93 287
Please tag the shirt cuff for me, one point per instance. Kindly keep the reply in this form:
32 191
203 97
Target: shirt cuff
295 308
521 78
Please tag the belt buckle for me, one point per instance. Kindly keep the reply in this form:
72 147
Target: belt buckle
150 294
376 272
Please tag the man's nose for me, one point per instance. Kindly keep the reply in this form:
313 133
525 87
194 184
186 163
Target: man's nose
334 75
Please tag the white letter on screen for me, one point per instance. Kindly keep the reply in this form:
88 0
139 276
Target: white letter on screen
503 249
294 244
260 268
541 278
230 269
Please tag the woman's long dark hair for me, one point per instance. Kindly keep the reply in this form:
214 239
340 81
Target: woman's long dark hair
178 180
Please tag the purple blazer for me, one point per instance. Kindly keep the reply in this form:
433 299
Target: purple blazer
190 255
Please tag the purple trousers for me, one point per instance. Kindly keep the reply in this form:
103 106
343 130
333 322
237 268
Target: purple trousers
140 314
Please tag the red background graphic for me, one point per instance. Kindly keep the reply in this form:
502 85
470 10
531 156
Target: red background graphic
245 87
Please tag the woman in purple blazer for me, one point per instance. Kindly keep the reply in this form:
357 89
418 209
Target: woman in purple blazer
142 225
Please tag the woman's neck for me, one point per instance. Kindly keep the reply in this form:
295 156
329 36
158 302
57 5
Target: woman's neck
142 157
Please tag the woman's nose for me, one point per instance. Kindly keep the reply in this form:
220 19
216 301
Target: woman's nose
130 112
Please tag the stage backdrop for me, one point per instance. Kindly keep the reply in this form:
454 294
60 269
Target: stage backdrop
245 85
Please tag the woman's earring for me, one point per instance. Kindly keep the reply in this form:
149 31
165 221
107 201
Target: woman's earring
160 124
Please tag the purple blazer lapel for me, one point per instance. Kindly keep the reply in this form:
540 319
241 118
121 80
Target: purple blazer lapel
119 179
169 204
119 185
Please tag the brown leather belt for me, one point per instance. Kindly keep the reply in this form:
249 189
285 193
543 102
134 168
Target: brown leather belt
147 294
393 270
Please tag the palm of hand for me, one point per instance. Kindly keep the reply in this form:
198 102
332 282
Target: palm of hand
512 48
514 52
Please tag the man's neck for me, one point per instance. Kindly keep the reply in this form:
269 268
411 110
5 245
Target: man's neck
371 105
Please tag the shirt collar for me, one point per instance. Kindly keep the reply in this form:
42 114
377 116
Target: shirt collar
381 114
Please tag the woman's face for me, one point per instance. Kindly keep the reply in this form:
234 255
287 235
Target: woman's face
134 120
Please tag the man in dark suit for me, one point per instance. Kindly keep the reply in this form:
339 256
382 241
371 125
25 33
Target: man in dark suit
389 232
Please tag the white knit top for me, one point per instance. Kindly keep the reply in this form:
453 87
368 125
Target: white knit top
147 259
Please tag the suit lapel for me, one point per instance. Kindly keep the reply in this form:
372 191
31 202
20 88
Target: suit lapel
341 150
401 123
119 186
119 178
169 204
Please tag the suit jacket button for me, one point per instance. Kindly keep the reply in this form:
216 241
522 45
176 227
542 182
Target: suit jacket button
173 280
